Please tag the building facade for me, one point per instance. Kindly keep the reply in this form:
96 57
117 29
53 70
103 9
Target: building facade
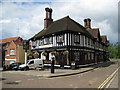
12 50
69 41
14 53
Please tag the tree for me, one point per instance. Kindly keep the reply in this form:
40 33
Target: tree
114 50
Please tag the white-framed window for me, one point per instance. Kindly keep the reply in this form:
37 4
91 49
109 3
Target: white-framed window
34 43
38 42
60 39
46 40
85 40
50 40
41 42
76 39
88 41
12 52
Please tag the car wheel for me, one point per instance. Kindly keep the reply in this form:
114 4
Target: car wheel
26 68
22 69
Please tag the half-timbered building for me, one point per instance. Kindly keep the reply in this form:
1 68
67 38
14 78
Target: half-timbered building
70 41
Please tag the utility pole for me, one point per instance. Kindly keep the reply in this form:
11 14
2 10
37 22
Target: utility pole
25 47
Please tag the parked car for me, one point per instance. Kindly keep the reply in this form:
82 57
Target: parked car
32 64
16 66
11 66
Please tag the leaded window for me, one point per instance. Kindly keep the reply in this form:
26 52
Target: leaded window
85 40
60 39
46 41
76 39
41 42
34 44
50 40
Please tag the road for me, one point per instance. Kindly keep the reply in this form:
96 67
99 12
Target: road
91 79
113 83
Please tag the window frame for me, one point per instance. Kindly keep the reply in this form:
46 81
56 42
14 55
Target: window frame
76 38
60 39
12 52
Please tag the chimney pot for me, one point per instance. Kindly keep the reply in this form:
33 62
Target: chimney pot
48 20
87 23
50 10
47 9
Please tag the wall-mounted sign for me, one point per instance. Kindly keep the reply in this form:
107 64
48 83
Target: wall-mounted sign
45 46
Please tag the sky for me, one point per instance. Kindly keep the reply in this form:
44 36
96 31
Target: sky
25 18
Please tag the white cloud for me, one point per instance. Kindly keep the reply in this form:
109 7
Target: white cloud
5 21
29 17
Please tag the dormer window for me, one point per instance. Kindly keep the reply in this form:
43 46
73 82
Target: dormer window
76 39
60 39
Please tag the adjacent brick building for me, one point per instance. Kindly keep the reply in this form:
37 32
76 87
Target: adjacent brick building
12 50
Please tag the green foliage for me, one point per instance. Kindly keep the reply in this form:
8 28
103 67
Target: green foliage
44 53
65 52
114 50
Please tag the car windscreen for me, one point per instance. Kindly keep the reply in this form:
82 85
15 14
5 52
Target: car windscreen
31 62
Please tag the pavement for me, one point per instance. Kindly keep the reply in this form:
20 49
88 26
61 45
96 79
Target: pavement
59 72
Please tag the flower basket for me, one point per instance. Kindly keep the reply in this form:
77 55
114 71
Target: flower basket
44 53
65 52
36 55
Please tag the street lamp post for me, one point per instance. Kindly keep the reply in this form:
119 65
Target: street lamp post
25 47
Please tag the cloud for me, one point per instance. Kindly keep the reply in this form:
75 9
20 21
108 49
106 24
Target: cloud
5 21
27 18
103 13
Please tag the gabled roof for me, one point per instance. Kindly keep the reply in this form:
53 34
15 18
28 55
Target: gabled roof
104 38
7 40
18 43
64 24
94 32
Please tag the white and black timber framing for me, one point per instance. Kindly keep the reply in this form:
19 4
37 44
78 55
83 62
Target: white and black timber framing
84 45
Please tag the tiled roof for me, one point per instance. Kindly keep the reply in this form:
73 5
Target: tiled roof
18 43
7 40
64 24
104 38
94 32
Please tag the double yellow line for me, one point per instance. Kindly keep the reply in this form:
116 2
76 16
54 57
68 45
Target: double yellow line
107 80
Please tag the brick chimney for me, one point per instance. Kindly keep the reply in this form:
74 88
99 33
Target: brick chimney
48 20
87 23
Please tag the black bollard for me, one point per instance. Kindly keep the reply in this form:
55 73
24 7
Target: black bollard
52 66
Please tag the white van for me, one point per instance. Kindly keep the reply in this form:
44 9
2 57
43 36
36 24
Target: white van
32 64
